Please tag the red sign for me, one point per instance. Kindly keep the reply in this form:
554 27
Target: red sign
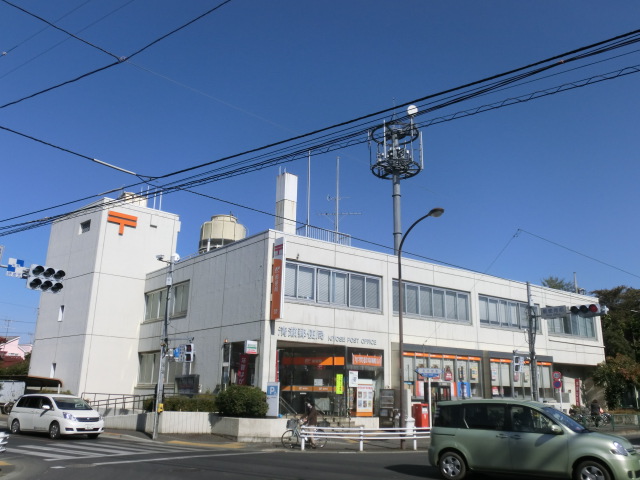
277 280
243 371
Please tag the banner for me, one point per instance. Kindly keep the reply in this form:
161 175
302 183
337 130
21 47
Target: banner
243 371
277 279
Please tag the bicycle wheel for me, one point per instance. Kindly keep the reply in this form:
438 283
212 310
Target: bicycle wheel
290 439
320 440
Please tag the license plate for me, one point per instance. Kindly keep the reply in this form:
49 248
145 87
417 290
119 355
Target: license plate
89 427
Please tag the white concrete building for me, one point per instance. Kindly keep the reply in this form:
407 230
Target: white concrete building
317 316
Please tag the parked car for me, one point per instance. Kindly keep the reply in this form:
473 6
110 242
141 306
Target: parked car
56 414
522 437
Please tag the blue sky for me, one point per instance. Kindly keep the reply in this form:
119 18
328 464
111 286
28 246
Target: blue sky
538 189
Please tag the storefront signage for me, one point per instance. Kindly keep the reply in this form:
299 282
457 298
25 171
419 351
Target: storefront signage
277 279
367 360
319 335
251 347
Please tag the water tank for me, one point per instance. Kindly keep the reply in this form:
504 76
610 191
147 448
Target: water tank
221 230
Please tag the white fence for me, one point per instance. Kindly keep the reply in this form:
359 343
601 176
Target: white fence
361 434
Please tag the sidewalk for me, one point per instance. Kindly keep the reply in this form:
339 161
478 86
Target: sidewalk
215 441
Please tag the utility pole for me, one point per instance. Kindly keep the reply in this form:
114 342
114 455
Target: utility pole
533 321
164 345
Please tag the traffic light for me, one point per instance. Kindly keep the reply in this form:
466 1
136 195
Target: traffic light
592 310
517 363
189 352
45 279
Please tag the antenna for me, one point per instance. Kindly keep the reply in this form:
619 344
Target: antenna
398 156
337 198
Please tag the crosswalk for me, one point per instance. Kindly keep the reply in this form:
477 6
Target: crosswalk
56 451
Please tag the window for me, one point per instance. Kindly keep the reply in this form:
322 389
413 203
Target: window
573 325
498 312
85 227
332 287
180 293
156 302
148 368
425 301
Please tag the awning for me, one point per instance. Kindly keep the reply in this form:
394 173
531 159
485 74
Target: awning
33 382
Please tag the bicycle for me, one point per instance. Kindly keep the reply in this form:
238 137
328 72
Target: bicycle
291 438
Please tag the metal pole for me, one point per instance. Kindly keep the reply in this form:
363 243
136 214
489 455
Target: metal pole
435 212
397 216
532 346
163 352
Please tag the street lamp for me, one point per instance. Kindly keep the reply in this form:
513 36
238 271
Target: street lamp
164 343
435 212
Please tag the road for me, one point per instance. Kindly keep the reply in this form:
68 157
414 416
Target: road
122 458
36 456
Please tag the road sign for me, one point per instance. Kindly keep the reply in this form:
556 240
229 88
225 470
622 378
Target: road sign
428 372
557 384
554 312
16 268
557 375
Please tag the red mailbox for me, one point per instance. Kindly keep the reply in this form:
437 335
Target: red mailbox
420 412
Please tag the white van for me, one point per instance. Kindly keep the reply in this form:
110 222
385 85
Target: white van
55 414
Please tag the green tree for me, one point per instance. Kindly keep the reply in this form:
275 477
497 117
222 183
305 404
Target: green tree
558 284
616 376
621 325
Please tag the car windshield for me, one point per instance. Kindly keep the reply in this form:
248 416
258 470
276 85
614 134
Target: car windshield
564 419
71 404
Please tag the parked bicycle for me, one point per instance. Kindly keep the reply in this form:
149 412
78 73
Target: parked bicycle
588 420
291 438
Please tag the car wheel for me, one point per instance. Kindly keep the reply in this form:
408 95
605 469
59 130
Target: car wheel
54 431
591 470
452 466
15 427
93 435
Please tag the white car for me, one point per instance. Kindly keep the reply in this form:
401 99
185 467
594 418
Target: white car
56 414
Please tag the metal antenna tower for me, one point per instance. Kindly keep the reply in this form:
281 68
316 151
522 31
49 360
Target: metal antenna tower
398 156
337 198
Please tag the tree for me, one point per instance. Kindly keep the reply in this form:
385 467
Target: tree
558 284
621 326
621 336
616 375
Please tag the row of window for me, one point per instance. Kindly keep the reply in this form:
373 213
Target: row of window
332 287
341 288
354 290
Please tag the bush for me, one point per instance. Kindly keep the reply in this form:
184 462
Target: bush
242 401
199 403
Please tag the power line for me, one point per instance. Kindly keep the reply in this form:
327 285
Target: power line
242 167
579 253
118 61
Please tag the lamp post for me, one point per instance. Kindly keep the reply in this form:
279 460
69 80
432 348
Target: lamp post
164 344
435 212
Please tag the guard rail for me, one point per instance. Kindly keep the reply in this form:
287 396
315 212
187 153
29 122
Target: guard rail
362 434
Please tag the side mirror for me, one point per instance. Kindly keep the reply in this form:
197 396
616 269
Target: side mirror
556 430
46 407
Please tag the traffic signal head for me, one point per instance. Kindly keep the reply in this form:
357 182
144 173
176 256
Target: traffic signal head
45 279
189 352
591 310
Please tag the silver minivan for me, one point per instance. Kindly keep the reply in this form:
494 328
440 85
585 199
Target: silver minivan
524 437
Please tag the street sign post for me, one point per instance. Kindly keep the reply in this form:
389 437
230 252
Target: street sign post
428 372
554 312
